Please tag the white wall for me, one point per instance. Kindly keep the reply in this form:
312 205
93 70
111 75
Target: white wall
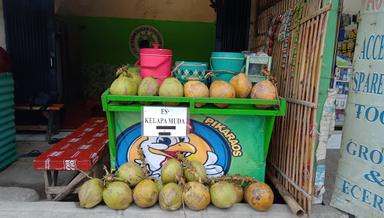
351 6
2 31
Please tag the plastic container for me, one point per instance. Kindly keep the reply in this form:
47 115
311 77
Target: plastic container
155 62
229 141
226 65
189 70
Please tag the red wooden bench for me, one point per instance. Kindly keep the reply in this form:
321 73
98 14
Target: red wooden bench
82 150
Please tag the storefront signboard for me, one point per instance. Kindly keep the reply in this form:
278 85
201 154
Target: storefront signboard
359 187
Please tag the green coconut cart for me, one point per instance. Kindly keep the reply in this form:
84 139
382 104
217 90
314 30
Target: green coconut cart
232 140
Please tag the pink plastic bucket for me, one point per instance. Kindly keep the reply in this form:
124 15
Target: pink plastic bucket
155 62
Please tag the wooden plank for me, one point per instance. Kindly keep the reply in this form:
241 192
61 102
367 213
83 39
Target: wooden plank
54 190
31 128
302 57
306 87
51 107
308 124
55 107
301 52
69 188
28 108
300 90
316 13
288 198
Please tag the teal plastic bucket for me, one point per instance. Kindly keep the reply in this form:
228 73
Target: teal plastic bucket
188 70
225 65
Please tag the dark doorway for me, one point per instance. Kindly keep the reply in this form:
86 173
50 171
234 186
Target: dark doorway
29 27
30 39
232 25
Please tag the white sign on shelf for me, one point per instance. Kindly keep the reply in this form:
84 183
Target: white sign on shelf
165 121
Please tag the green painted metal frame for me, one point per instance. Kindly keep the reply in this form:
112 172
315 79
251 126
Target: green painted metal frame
327 61
237 107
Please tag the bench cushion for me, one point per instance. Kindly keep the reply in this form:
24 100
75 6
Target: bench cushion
79 150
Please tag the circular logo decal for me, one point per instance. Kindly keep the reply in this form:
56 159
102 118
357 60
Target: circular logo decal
203 144
143 37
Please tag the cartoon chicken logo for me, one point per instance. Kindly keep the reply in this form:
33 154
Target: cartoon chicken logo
212 153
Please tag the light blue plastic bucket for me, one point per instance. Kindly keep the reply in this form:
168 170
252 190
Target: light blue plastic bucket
225 65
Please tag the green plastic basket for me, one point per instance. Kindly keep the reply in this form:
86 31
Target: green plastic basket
191 71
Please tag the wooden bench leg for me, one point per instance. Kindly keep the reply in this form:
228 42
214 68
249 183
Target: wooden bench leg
97 170
69 188
50 180
57 193
55 177
48 183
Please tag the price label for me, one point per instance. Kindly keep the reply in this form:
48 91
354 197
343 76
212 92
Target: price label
165 121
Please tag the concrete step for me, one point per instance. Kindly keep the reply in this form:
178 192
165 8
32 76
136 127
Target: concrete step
18 194
48 209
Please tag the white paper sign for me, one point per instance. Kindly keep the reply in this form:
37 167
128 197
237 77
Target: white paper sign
165 121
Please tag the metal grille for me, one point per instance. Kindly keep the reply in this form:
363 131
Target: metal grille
29 38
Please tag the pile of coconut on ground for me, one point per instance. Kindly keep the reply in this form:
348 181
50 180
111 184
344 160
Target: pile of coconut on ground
182 183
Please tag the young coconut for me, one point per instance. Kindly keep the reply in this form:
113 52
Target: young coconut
221 89
223 194
239 192
195 171
171 87
170 170
159 185
124 85
259 196
145 193
130 173
242 85
196 89
196 196
264 90
170 197
117 195
148 87
237 181
91 193
132 72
